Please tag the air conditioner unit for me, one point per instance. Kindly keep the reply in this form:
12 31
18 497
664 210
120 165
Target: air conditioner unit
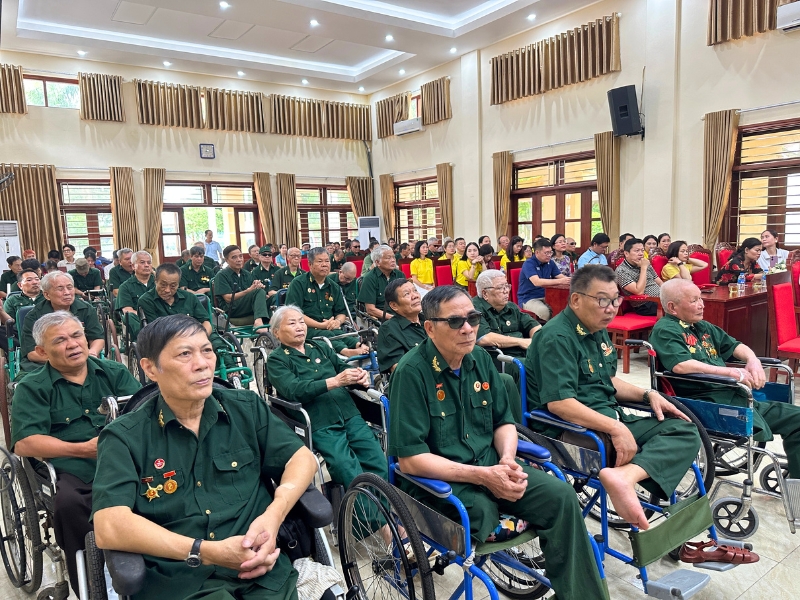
789 16
9 241
409 126
368 227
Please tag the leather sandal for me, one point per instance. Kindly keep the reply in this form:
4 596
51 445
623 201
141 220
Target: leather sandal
695 552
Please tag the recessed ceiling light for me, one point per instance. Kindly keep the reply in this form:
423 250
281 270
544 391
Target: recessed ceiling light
361 89
314 22
402 71
531 17
167 63
81 52
453 50
390 38
223 5
240 73
305 81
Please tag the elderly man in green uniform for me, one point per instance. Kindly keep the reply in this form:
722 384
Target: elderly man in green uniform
346 279
59 294
685 343
207 260
266 269
31 287
404 331
86 278
56 416
322 303
450 419
182 479
195 275
284 277
134 288
253 261
374 283
237 292
122 272
572 365
9 278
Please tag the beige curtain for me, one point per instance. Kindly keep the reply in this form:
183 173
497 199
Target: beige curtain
229 110
387 205
444 180
734 19
574 56
12 91
153 205
287 209
606 151
32 201
435 96
264 200
502 164
123 208
390 111
319 118
347 121
101 97
170 105
721 130
362 198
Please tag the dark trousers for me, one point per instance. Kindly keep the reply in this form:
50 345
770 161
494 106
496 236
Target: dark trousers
646 309
73 505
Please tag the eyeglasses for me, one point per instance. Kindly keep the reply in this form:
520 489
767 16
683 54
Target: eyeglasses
604 302
266 254
546 252
572 243
502 288
473 318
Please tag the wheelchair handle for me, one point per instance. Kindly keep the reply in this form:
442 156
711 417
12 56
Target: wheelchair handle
374 394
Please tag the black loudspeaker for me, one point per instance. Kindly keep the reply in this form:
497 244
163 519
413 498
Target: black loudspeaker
624 111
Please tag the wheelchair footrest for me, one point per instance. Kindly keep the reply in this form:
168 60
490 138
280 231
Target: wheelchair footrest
678 585
791 489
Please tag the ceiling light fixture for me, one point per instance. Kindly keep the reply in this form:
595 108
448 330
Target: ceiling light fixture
453 50
531 17
223 5
361 89
314 22
390 38
167 63
81 52
240 73
305 81
402 71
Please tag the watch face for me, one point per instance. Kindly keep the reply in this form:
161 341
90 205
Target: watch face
193 561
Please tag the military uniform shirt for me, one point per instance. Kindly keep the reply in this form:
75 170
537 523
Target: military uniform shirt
318 303
117 275
218 475
301 378
131 290
183 303
87 282
195 280
228 281
17 301
350 291
282 278
396 337
265 275
6 279
48 404
250 265
510 321
433 410
373 285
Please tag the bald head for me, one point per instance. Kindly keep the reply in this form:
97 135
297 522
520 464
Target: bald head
681 298
349 269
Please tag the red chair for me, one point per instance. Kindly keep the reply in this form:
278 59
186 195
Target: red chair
628 325
702 277
472 289
358 262
442 272
783 331
723 251
404 264
513 269
658 263
793 266
304 264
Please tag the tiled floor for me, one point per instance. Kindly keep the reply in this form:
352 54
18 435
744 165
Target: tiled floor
776 576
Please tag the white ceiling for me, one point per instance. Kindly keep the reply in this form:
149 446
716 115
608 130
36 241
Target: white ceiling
273 40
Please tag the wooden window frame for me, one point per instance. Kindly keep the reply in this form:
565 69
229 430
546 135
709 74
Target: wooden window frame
90 210
427 203
45 80
323 208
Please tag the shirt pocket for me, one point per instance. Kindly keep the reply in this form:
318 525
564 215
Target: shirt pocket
162 508
589 370
63 418
482 405
235 473
444 425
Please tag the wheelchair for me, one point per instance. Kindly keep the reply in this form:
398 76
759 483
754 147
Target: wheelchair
735 452
100 301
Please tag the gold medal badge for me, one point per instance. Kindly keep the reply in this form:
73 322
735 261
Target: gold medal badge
152 492
161 418
580 329
440 395
170 485
477 386
591 366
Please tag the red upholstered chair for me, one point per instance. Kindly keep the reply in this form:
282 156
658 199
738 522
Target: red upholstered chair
793 267
472 289
513 269
404 264
304 264
702 277
658 263
442 272
783 330
629 325
723 251
358 262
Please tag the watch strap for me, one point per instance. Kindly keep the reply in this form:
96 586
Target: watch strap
195 551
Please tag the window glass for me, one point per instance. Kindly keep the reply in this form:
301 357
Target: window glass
169 223
548 208
338 197
541 176
34 91
580 170
247 221
764 147
63 95
84 193
105 224
183 194
305 196
77 224
172 245
572 206
231 195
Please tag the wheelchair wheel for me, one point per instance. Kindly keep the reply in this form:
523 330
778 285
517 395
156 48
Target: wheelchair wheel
731 459
321 552
381 572
768 478
723 511
133 364
4 399
269 343
21 548
95 571
511 582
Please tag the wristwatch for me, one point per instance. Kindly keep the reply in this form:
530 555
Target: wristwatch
193 560
646 395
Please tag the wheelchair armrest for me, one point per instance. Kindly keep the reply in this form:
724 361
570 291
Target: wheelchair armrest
127 571
437 487
313 508
531 451
702 378
285 403
11 328
374 395
548 418
764 360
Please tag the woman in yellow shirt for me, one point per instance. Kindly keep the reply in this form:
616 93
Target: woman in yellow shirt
650 244
469 266
514 253
679 264
422 268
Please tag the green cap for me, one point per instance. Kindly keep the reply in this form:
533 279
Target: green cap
265 248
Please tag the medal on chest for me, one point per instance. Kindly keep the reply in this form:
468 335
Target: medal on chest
152 492
170 485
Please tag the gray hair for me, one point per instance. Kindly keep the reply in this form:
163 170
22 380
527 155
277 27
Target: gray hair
49 280
136 254
673 290
377 253
313 253
432 239
123 251
49 320
485 279
277 317
349 267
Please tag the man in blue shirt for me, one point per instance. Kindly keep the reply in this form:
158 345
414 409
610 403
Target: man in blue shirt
596 254
213 249
538 272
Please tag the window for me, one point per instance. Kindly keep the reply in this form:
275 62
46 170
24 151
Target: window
415 105
52 91
558 195
190 209
765 191
86 215
324 215
417 211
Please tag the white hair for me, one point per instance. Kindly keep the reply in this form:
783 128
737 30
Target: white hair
49 280
377 253
49 320
136 254
485 279
277 317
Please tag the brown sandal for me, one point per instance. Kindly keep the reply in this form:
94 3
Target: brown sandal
695 552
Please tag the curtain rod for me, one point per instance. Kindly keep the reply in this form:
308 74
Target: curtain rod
586 139
415 170
105 170
756 108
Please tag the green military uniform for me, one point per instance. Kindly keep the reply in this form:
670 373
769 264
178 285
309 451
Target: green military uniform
281 280
367 264
510 321
87 282
354 255
17 301
350 292
340 434
180 262
336 264
194 280
676 341
265 275
373 285
320 303
210 263
128 297
395 338
219 487
6 279
565 361
83 310
252 304
250 265
117 275
435 410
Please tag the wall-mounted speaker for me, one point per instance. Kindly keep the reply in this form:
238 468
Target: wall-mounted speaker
624 111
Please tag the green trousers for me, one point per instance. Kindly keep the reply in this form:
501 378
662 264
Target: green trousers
223 588
245 305
551 508
338 345
784 419
514 398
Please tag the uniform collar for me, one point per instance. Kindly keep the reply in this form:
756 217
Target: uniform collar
212 409
438 364
579 328
405 323
92 366
292 351
680 322
311 280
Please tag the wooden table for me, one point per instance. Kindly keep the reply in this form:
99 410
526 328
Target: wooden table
557 297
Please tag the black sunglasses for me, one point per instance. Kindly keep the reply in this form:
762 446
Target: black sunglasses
473 318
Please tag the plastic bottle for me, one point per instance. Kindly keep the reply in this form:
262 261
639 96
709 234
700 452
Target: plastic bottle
741 282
